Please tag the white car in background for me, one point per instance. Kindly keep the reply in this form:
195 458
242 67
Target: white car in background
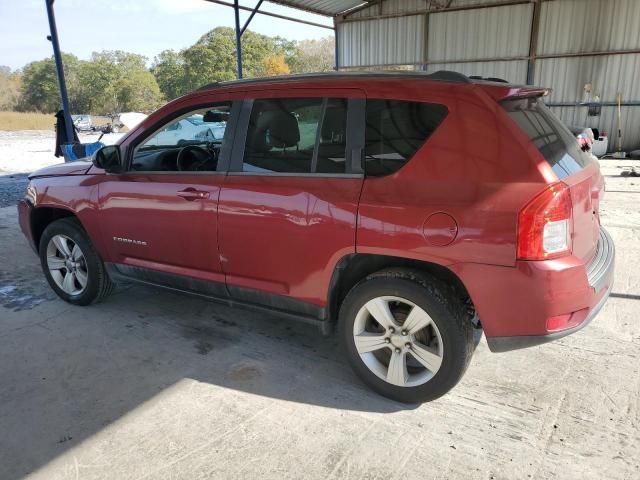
189 128
82 123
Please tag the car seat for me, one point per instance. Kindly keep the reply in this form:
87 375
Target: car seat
273 133
333 141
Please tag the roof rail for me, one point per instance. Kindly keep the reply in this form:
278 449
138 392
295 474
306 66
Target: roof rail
440 75
449 76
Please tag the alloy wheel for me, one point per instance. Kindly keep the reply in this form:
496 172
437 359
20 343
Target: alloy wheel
398 341
67 265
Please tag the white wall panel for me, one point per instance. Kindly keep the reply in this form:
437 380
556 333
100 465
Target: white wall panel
402 6
608 75
573 26
378 42
483 33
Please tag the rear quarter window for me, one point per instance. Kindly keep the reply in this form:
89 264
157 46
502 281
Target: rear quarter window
395 130
551 137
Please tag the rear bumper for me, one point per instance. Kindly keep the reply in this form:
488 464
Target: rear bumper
24 218
506 344
515 304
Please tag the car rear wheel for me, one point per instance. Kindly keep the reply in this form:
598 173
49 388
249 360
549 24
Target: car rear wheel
406 335
71 265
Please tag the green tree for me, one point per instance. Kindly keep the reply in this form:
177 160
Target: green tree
117 81
40 90
10 84
210 59
168 69
138 91
213 57
314 56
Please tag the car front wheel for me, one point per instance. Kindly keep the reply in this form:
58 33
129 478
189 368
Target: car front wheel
406 335
71 265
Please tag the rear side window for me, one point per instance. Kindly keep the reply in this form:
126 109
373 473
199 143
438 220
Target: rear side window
550 136
395 130
297 135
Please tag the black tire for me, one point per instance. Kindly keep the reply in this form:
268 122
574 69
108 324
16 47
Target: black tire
441 302
98 285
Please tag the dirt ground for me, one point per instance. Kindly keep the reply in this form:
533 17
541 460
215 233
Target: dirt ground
152 384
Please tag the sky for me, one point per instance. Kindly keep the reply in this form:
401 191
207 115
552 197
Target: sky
139 26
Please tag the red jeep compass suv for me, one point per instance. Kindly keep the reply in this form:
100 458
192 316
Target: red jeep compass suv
414 210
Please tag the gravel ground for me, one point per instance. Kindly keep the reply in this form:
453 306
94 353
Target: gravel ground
12 188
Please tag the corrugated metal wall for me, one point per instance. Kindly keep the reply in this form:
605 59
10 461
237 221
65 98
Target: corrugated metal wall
385 39
459 40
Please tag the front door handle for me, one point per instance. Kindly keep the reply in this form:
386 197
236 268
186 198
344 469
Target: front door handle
193 194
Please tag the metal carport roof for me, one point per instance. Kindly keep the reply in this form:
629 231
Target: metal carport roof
330 8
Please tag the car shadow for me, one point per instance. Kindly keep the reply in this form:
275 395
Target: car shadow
68 372
258 353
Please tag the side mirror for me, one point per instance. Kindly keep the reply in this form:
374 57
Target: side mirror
108 158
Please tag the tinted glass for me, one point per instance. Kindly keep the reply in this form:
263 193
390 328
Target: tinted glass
296 135
552 138
332 140
395 130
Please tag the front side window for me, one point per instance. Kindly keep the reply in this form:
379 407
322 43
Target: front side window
191 142
395 130
296 135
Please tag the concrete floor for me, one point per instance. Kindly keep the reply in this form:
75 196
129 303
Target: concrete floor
152 384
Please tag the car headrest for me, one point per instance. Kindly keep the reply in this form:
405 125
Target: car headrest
276 129
334 126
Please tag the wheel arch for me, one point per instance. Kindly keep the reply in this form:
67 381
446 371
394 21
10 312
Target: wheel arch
42 217
355 267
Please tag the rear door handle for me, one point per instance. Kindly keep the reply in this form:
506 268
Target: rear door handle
193 194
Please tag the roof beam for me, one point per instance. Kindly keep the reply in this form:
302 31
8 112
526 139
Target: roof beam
474 6
347 11
271 14
253 13
306 9
369 4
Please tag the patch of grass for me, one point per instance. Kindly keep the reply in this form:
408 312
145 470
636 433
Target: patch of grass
99 121
26 121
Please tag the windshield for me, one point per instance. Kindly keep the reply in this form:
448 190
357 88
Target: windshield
196 119
197 128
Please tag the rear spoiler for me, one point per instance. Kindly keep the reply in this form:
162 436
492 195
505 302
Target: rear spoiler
500 91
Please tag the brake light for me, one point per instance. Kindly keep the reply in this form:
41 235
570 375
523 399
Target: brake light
545 224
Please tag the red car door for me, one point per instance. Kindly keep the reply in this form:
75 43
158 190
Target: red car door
288 207
160 218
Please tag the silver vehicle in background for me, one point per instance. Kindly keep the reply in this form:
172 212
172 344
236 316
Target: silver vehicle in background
82 123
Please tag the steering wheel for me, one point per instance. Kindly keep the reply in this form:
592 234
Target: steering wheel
195 158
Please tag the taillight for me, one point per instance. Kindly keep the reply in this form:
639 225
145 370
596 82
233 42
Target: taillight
545 224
